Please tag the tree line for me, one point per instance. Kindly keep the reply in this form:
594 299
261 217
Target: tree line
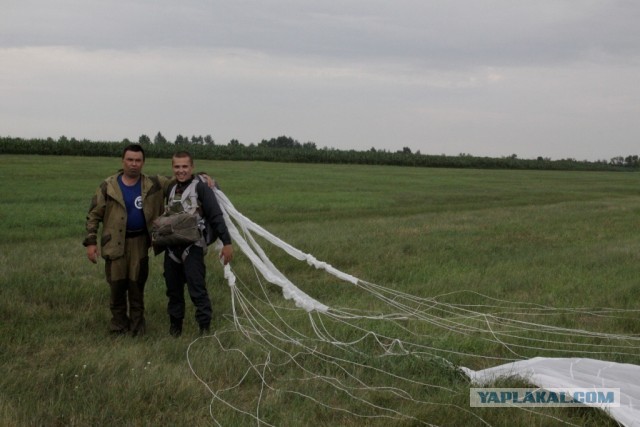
287 149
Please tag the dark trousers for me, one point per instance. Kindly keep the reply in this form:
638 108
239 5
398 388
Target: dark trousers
127 277
192 271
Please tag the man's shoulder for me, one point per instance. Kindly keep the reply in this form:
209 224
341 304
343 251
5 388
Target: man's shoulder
152 178
202 186
113 178
109 187
195 184
158 182
110 182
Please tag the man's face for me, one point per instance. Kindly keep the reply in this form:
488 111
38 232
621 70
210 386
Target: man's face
132 163
182 168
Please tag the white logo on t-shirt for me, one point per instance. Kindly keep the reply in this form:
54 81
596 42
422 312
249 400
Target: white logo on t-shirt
138 202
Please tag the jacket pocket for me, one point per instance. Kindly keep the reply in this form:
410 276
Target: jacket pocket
106 238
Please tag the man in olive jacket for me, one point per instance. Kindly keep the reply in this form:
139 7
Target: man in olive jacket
126 204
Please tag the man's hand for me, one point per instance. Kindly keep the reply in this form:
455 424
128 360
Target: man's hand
210 181
226 254
92 253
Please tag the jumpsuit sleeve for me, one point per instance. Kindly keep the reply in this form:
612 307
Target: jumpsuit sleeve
213 213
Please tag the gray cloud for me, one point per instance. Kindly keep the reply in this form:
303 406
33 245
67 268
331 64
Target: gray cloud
480 32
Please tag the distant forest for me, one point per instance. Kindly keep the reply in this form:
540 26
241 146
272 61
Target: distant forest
287 149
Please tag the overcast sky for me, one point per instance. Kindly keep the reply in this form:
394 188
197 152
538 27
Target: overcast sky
551 78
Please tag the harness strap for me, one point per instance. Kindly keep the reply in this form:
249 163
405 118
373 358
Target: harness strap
183 256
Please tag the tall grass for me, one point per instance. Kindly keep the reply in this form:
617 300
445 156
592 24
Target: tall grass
562 239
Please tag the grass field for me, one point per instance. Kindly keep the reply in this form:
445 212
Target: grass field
558 239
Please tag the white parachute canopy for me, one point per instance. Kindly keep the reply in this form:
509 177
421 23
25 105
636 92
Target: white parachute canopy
495 321
571 373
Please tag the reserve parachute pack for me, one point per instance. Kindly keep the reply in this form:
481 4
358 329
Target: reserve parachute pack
180 224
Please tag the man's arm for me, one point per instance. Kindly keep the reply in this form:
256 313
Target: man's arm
213 215
94 218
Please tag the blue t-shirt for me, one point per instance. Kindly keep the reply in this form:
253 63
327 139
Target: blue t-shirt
133 202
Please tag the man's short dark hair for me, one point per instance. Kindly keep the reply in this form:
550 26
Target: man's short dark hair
133 147
182 154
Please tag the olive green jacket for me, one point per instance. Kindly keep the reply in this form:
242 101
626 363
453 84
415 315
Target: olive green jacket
107 206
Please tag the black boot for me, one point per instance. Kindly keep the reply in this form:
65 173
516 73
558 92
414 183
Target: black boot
205 330
175 329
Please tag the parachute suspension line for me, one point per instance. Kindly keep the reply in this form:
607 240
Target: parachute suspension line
454 318
273 275
394 296
323 335
269 272
329 350
216 395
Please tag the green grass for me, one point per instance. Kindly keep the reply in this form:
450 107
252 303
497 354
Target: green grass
559 239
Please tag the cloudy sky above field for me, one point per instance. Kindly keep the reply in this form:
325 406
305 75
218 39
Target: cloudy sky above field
551 78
